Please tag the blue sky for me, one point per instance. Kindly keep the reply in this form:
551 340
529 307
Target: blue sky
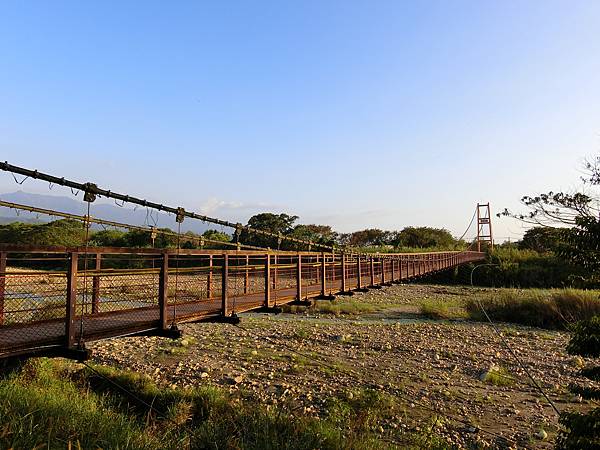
355 114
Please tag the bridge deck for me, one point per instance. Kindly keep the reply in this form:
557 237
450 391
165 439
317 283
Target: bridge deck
43 308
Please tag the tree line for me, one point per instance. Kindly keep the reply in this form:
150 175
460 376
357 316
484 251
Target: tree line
71 233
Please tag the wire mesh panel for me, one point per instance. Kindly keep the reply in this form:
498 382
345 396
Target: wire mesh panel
115 294
246 282
32 300
377 266
54 297
194 286
284 278
311 276
351 268
330 278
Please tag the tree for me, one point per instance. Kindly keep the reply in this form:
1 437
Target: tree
274 223
65 232
581 246
215 235
541 239
579 241
424 237
583 430
108 238
564 208
319 234
369 237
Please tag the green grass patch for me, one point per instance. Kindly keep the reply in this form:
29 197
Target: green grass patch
40 407
56 405
178 346
544 308
498 376
443 309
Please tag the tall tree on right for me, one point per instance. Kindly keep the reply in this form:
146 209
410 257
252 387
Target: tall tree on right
576 215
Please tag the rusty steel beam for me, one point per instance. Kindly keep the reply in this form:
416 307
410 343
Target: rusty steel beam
71 300
299 278
2 285
267 281
224 285
163 291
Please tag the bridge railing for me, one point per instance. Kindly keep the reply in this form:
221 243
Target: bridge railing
57 296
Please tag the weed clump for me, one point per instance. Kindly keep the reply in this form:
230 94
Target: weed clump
551 309
59 405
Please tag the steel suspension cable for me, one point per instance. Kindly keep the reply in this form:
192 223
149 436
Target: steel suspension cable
90 187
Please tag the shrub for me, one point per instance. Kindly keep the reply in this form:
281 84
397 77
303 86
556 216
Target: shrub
582 430
552 309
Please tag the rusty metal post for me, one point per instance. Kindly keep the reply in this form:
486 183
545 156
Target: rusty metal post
358 273
275 273
299 278
333 269
209 277
372 271
267 280
343 272
382 271
71 300
96 285
2 285
393 269
163 290
324 277
317 269
224 284
246 275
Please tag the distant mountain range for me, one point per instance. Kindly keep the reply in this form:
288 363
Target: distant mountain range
99 209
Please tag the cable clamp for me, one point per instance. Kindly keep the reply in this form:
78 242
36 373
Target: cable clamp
91 191
180 215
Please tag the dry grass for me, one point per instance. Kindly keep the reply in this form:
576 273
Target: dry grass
552 309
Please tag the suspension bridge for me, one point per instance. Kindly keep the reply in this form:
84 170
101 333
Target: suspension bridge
55 299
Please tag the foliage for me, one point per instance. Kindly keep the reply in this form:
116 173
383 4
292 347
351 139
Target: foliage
582 430
367 237
553 309
565 208
410 238
443 309
41 408
423 237
507 266
65 232
319 234
582 244
58 405
541 239
498 376
274 223
585 340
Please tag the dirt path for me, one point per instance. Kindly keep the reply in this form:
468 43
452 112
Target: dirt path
302 360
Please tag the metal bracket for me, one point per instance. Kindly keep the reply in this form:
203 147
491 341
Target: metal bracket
180 215
90 193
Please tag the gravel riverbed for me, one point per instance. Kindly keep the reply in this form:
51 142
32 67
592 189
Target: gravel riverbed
431 368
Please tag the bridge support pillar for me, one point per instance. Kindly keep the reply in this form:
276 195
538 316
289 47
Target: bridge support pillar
224 285
324 275
71 300
267 280
163 291
299 278
343 272
2 285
